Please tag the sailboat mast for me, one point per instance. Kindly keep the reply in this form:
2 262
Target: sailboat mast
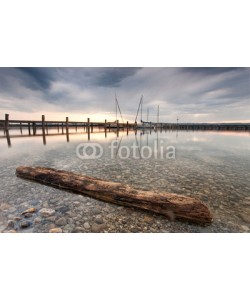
141 107
138 110
147 114
115 109
158 114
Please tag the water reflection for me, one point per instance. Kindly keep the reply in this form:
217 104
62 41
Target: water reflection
183 138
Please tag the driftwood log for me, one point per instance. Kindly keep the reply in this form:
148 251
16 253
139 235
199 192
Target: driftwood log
170 205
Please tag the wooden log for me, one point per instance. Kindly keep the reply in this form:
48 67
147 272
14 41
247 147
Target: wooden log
170 205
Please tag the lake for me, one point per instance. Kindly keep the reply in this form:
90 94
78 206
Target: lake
212 166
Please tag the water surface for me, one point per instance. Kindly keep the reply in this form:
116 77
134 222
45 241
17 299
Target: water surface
209 165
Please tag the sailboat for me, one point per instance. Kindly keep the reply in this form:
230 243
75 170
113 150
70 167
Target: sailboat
143 124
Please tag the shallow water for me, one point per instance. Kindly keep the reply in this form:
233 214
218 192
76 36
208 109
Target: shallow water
212 166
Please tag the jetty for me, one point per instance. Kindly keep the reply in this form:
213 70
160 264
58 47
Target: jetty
32 125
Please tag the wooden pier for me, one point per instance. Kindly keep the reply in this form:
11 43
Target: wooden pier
65 127
8 123
62 127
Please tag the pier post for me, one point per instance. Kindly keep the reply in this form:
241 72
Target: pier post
21 128
6 121
43 124
43 129
117 127
67 128
67 123
29 127
88 129
105 128
8 138
127 127
34 128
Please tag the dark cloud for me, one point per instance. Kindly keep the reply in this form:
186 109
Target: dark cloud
112 77
211 71
36 78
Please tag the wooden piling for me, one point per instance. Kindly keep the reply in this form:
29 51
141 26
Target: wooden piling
67 123
8 138
34 128
105 128
43 124
88 123
67 128
6 121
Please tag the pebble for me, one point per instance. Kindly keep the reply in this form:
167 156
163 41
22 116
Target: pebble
51 226
28 215
55 230
79 230
86 225
62 209
29 211
244 227
98 228
96 211
148 219
46 212
25 224
245 218
51 219
61 222
37 220
4 206
68 228
11 224
99 219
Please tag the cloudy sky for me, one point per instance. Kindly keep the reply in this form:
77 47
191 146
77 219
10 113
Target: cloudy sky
192 94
